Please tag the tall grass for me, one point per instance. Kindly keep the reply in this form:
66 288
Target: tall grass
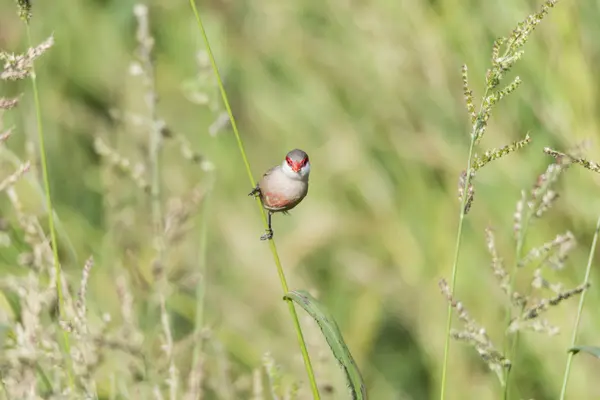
178 298
280 272
25 13
501 64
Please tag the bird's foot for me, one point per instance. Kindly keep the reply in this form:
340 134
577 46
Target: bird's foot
285 212
255 192
268 235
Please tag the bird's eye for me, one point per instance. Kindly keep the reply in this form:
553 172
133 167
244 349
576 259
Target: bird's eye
305 161
289 161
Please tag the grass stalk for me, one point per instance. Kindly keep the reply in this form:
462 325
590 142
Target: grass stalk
493 77
50 211
146 44
510 348
509 353
284 285
586 280
455 266
201 287
459 229
157 219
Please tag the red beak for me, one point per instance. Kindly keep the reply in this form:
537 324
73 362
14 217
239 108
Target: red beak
296 167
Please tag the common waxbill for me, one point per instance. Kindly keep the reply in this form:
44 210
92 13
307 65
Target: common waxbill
282 187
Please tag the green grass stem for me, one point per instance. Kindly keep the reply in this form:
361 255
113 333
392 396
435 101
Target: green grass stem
457 246
455 267
510 352
586 280
284 285
50 211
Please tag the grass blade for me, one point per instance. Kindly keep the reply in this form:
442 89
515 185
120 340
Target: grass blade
334 338
50 209
593 350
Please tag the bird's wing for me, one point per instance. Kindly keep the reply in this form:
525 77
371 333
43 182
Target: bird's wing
269 171
257 187
262 178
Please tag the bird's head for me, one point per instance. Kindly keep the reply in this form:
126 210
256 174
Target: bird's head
296 164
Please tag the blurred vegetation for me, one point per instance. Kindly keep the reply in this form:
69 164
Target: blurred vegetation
373 92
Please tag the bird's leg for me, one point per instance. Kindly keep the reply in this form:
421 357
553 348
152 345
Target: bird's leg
269 234
255 192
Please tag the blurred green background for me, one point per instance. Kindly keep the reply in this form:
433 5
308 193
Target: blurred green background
372 91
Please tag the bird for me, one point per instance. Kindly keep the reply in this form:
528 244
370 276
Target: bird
283 186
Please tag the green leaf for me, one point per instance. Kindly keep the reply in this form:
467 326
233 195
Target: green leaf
334 338
593 350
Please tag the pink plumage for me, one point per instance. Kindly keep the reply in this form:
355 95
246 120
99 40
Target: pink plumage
284 186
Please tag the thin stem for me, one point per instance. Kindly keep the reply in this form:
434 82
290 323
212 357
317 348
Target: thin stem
201 287
458 243
586 280
284 285
146 44
518 255
155 146
455 264
509 353
50 210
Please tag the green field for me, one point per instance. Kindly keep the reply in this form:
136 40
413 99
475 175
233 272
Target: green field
373 92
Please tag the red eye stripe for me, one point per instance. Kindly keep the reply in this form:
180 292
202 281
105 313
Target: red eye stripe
296 165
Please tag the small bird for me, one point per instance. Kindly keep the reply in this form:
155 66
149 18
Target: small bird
284 186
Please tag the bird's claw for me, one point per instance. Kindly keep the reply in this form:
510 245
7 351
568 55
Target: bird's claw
268 235
255 192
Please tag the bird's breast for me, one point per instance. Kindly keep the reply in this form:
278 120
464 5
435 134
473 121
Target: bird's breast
282 193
